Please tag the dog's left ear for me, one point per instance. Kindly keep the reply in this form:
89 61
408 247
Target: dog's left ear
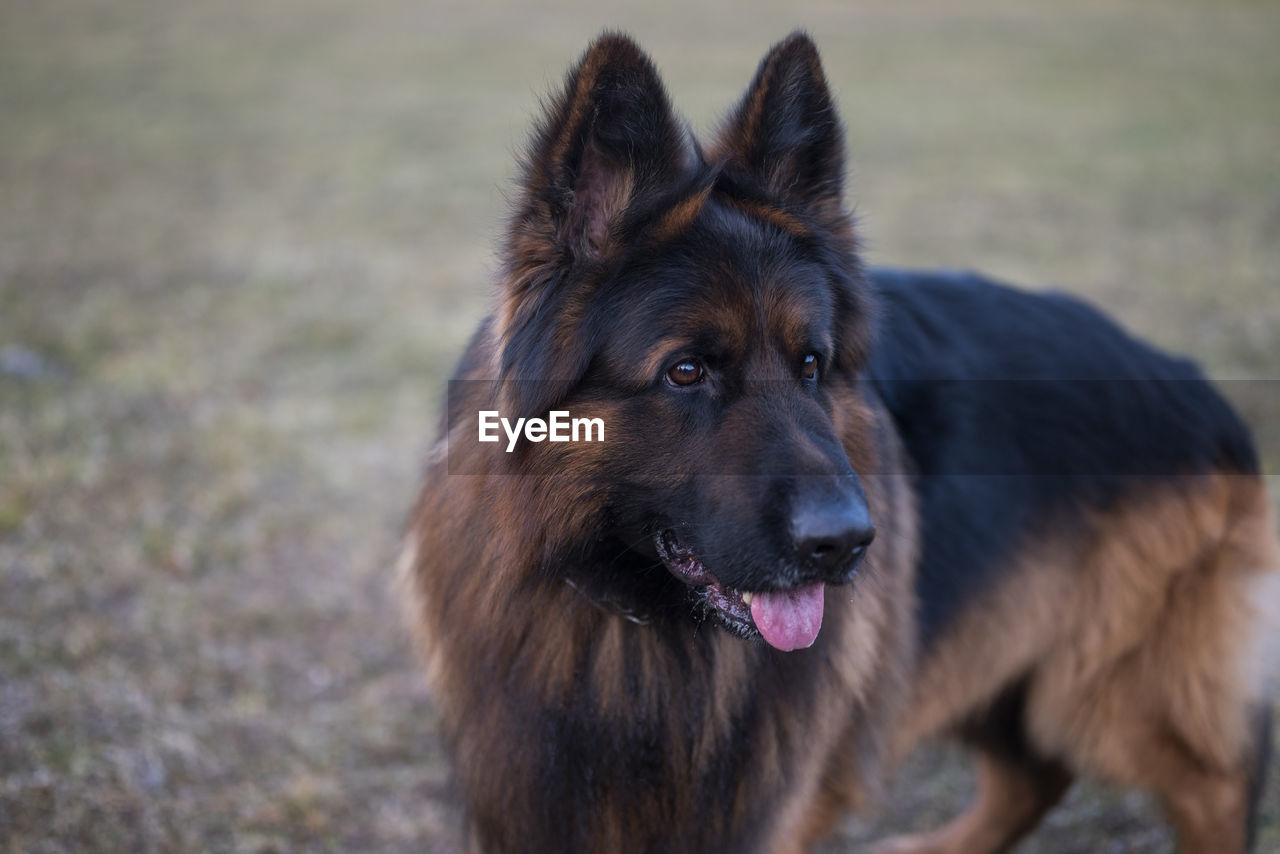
785 136
607 147
605 144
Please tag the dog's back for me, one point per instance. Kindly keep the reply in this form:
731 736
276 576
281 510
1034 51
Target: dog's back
1096 549
1016 407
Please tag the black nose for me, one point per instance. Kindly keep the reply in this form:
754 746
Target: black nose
831 536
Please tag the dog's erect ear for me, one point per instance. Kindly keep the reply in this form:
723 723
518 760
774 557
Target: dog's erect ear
785 135
608 145
609 140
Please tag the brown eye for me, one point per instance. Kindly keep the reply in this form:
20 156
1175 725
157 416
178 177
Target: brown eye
685 373
809 367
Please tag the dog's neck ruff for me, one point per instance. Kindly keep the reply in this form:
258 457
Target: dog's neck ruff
607 605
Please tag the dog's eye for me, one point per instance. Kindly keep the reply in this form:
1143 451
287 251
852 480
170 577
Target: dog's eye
809 367
685 373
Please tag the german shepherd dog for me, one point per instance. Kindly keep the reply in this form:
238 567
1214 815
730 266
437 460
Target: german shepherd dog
828 512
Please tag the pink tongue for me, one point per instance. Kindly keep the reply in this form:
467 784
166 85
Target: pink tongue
789 620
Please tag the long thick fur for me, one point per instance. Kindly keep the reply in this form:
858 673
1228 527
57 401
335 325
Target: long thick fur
1069 528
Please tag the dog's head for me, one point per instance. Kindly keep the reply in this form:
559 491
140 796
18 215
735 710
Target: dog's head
708 303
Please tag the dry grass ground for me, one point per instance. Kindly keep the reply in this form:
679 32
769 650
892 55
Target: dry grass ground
241 242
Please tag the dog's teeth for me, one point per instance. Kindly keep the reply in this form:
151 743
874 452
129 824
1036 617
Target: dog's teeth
746 597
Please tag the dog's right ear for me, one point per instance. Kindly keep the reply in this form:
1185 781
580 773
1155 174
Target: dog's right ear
608 144
785 136
608 140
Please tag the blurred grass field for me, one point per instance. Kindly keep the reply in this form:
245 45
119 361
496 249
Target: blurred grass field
241 244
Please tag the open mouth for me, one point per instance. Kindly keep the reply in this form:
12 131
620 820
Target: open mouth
786 619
